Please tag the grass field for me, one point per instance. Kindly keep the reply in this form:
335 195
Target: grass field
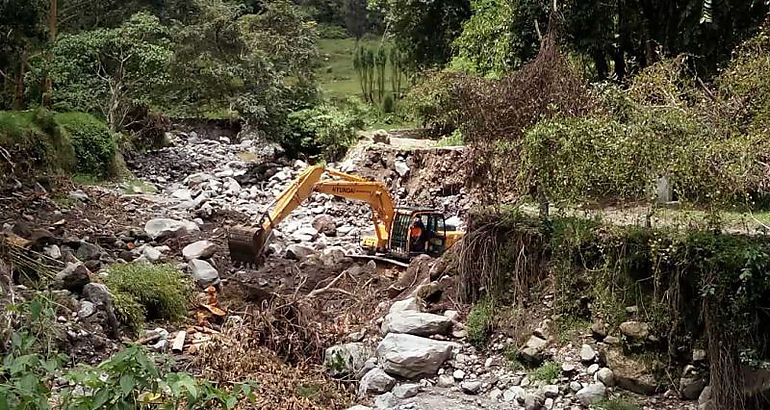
336 75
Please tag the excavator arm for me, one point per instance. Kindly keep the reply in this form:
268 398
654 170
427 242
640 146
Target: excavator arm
247 244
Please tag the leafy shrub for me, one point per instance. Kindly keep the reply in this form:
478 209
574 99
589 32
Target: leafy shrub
325 129
745 81
547 372
432 101
92 141
331 31
132 379
157 291
33 141
480 321
599 158
455 139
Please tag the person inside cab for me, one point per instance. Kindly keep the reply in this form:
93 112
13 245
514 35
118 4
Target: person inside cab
417 235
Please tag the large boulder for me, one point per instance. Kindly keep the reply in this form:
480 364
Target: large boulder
407 305
199 250
635 330
298 252
416 323
347 359
591 394
325 224
203 273
375 381
161 228
631 374
533 351
411 356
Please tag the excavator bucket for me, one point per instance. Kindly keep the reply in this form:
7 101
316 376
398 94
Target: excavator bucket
247 245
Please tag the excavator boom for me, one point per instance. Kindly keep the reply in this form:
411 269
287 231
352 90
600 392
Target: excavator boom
247 244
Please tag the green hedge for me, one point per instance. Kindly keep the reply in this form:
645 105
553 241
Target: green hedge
92 141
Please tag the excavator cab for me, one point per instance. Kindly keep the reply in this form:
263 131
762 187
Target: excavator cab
417 231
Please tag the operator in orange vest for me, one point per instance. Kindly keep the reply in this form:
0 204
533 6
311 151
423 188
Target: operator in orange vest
416 235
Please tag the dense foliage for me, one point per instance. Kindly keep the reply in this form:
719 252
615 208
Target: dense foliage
325 129
32 141
93 143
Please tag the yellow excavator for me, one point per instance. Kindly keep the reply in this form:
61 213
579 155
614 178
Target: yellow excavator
399 233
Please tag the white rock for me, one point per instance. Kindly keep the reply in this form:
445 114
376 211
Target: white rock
298 252
182 194
606 376
551 390
587 354
360 407
592 369
458 374
151 253
410 304
401 168
386 401
445 381
471 387
376 381
405 391
163 227
410 356
86 309
591 394
53 252
203 273
514 393
199 250
452 315
415 323
346 359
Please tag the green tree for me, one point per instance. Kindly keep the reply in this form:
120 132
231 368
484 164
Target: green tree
424 30
500 36
109 71
258 65
22 30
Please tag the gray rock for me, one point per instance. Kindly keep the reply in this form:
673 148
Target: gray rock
575 386
533 351
591 394
152 254
182 194
514 393
592 369
691 387
533 401
445 381
698 355
471 387
401 168
705 401
458 374
386 401
410 304
298 252
376 381
88 251
199 250
73 277
325 224
606 376
415 323
452 315
98 294
203 273
635 330
550 390
405 391
347 359
53 252
161 228
587 354
86 309
410 356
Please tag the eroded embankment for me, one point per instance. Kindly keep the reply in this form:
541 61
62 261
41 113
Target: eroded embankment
669 310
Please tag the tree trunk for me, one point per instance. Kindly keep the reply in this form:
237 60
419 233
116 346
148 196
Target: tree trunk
52 31
18 99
